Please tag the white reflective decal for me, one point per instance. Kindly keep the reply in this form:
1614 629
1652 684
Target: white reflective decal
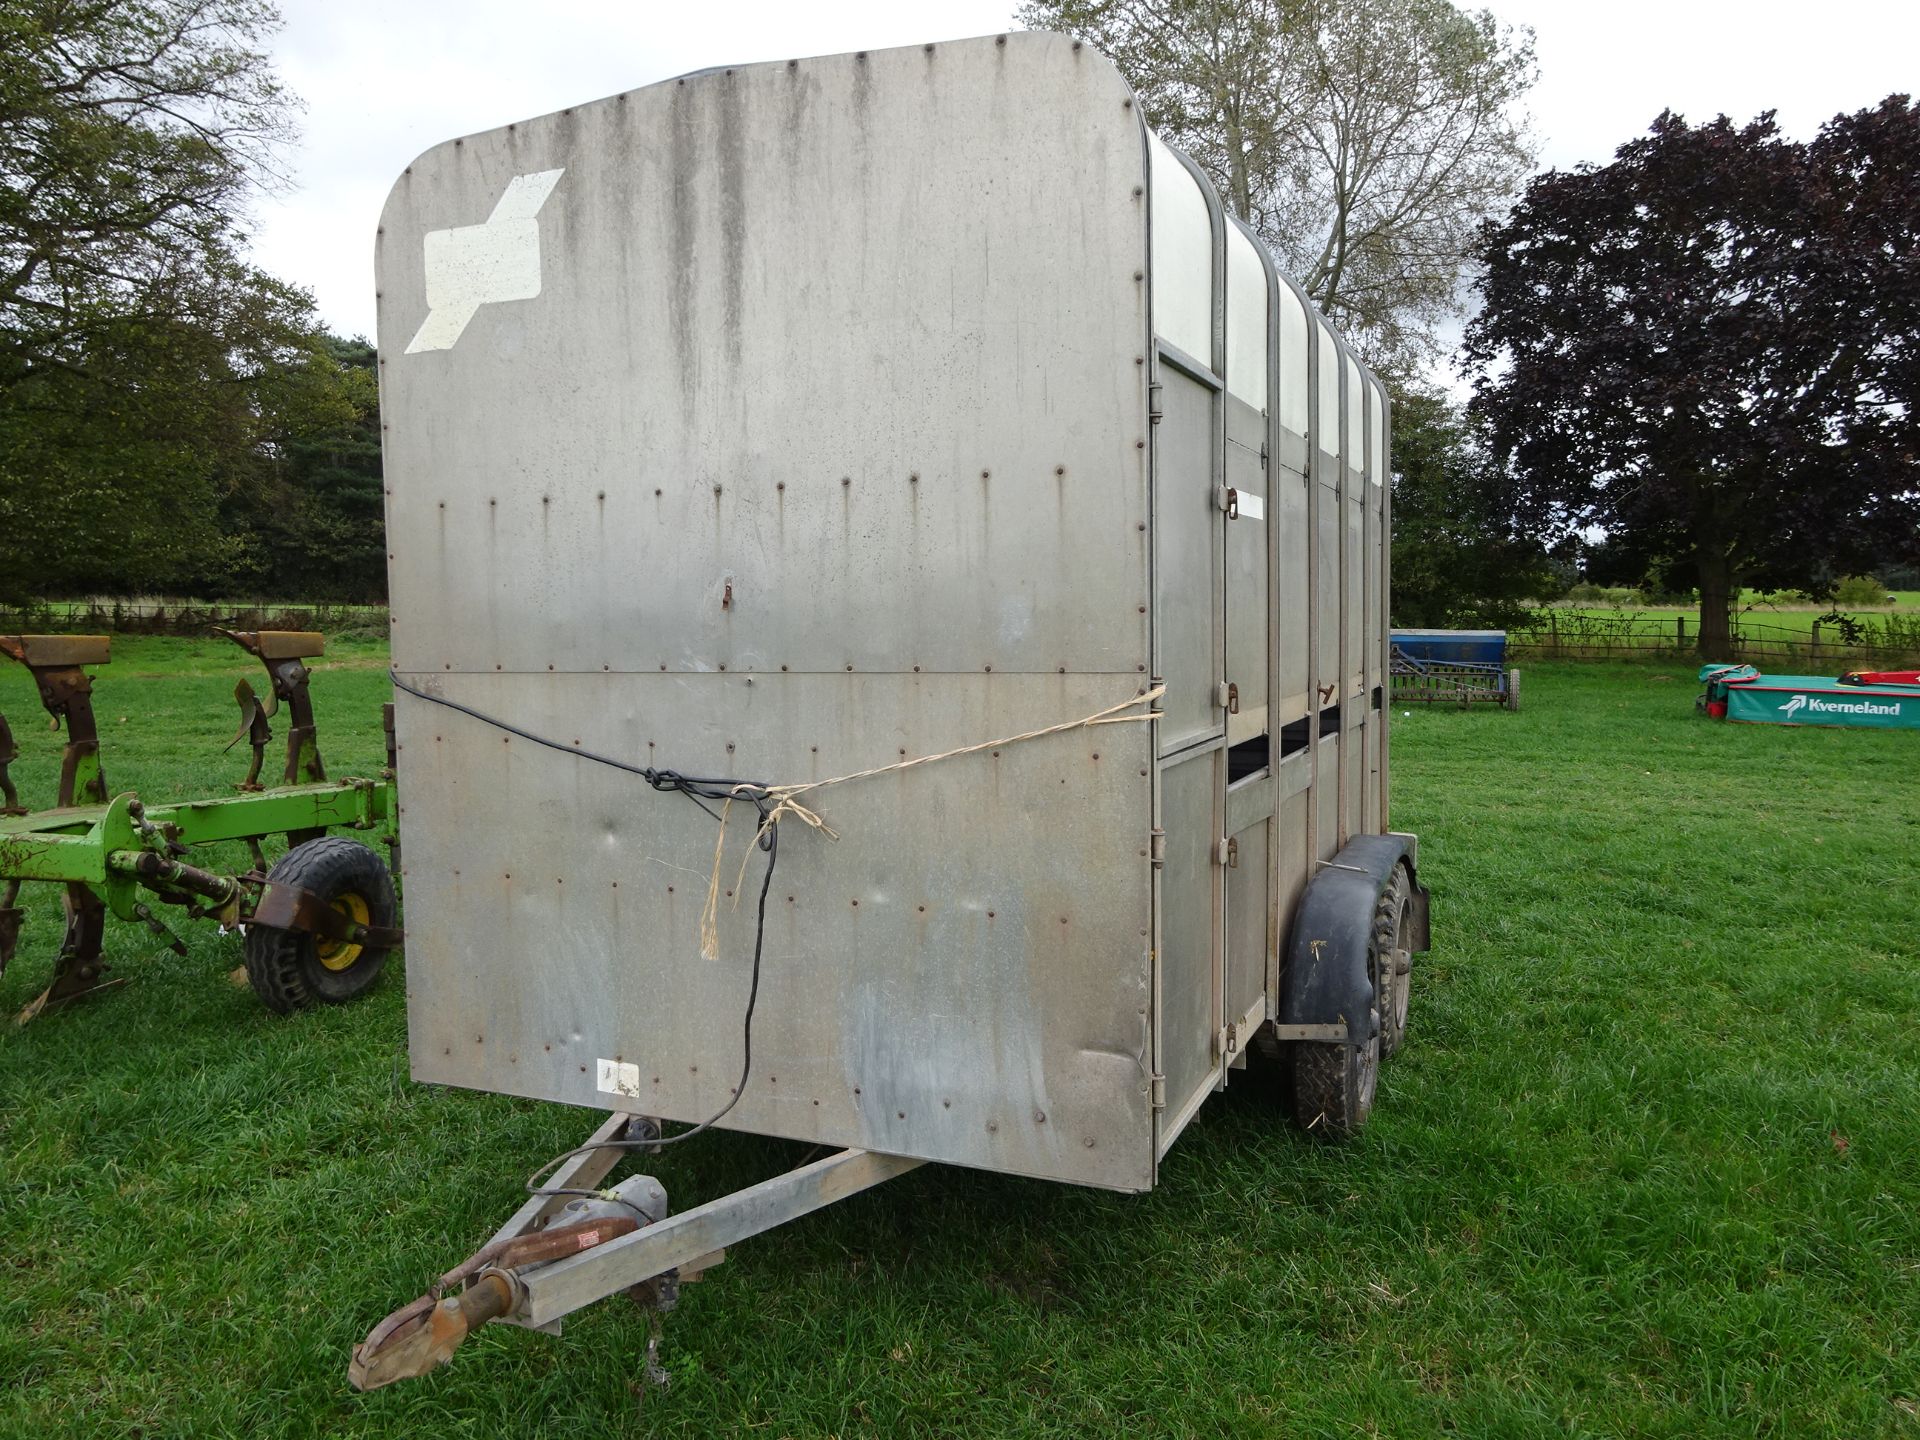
619 1077
475 265
1248 506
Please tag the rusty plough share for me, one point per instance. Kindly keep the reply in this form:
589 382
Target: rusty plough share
319 924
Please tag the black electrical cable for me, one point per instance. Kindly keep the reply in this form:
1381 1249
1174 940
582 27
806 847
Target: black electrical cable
694 788
746 1055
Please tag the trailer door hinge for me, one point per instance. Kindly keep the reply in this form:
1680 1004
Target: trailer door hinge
1157 847
1158 1087
1229 697
1226 1042
1263 454
1153 403
1230 852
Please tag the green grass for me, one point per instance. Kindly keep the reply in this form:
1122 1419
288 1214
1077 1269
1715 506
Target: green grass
1649 1165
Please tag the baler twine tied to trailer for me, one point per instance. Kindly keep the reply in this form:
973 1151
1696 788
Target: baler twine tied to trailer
777 801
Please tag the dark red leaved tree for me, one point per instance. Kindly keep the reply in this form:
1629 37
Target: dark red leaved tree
1710 349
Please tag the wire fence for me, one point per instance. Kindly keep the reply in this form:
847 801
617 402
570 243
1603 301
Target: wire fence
153 616
1823 644
1554 634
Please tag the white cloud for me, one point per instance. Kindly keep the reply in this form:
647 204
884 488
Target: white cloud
383 82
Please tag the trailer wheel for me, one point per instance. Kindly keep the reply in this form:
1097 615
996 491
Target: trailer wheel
1334 1084
290 969
1393 960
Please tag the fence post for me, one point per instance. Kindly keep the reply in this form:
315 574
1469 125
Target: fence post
1680 633
1553 625
1813 646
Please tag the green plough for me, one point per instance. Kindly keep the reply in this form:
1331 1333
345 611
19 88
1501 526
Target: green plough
319 924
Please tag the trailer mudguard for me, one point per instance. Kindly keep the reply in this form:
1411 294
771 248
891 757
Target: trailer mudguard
1325 979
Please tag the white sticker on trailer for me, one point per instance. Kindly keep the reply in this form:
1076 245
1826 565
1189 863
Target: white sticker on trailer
619 1078
475 265
1248 506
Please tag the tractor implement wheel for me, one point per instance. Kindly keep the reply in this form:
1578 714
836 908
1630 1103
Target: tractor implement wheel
290 969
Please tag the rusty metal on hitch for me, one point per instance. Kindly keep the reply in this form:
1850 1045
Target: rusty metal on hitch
290 907
432 1336
418 1337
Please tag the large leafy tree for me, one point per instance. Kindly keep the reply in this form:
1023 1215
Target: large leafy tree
1710 349
1364 140
1459 555
154 387
312 528
131 132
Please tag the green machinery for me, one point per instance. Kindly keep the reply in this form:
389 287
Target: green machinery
318 924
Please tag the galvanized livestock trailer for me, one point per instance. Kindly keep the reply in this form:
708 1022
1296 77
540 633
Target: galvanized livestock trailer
909 445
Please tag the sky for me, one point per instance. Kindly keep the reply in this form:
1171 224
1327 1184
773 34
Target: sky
384 81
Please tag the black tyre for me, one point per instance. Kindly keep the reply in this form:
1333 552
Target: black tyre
1392 959
1334 1084
288 969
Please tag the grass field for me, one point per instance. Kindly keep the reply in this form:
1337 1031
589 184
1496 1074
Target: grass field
1649 1166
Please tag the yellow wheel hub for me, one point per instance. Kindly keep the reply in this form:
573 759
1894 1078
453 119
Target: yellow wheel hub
340 954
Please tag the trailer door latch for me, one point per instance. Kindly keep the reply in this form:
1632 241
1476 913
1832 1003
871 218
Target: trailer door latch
1229 694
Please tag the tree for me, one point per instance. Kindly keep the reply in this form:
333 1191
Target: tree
127 472
130 133
1708 350
1363 140
140 357
314 525
1459 558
